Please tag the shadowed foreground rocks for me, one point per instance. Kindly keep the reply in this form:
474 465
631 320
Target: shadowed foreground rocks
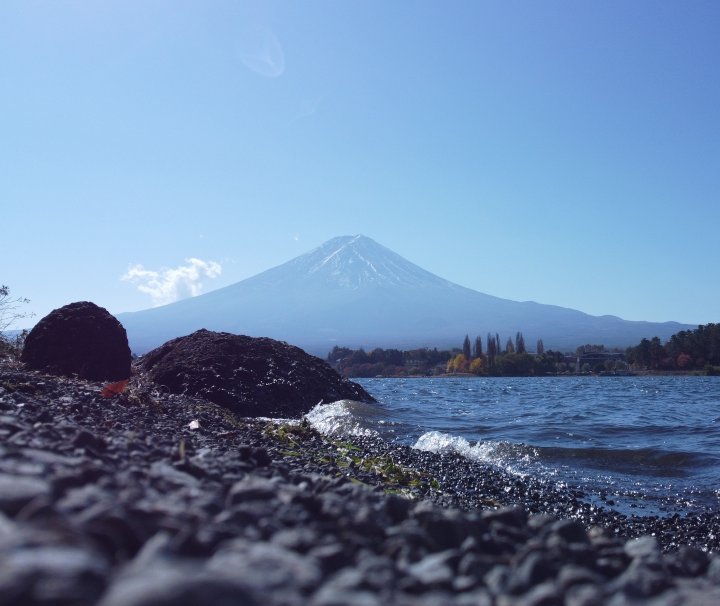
80 339
253 377
150 499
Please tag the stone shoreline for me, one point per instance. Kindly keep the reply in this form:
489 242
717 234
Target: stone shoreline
149 498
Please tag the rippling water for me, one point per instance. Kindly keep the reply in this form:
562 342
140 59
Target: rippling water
640 443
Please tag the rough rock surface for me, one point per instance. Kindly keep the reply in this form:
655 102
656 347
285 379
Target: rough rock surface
250 376
151 499
80 339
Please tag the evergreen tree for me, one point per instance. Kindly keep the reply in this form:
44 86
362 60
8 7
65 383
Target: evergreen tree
478 351
491 350
466 347
519 343
540 347
509 347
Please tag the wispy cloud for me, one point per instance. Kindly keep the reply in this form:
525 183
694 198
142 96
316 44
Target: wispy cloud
169 285
260 51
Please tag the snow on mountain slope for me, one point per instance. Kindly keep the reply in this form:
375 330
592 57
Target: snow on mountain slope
352 291
352 262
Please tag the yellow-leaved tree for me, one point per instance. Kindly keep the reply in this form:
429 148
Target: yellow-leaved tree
476 366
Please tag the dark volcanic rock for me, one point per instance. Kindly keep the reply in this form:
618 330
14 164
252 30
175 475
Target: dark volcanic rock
79 339
250 376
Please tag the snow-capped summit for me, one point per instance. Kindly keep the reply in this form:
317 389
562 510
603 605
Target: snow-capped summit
351 291
358 261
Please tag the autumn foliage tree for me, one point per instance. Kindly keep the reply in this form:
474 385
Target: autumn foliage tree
457 364
476 366
697 349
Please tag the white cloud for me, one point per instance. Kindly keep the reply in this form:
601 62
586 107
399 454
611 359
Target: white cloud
169 285
260 51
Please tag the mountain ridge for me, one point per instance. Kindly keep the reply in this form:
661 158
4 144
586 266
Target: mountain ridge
354 292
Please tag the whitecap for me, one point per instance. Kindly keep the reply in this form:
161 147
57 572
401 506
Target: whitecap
500 454
337 419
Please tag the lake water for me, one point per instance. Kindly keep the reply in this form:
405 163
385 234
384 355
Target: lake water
644 445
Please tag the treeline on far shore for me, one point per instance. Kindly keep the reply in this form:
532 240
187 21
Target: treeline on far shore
687 350
475 358
696 351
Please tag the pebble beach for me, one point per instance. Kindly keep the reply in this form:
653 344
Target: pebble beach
148 498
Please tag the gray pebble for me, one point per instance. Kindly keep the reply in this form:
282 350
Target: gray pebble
265 566
17 491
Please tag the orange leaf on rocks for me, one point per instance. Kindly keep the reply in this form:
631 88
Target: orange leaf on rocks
114 389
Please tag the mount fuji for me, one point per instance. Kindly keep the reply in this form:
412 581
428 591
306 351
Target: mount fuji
353 292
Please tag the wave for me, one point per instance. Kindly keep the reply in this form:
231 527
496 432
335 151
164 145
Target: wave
514 458
345 418
523 459
633 461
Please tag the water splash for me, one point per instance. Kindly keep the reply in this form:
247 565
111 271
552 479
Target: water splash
513 458
340 418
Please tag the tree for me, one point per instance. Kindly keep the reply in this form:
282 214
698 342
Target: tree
457 364
547 363
514 364
476 366
478 351
589 348
9 313
520 343
338 354
509 347
657 353
640 354
540 347
9 307
359 356
491 350
466 348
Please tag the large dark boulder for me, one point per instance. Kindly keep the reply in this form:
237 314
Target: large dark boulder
251 376
80 339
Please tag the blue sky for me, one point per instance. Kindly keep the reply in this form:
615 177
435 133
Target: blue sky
559 151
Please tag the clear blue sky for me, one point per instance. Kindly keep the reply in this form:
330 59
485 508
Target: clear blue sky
558 151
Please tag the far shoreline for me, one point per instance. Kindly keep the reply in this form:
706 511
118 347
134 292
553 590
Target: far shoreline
467 375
